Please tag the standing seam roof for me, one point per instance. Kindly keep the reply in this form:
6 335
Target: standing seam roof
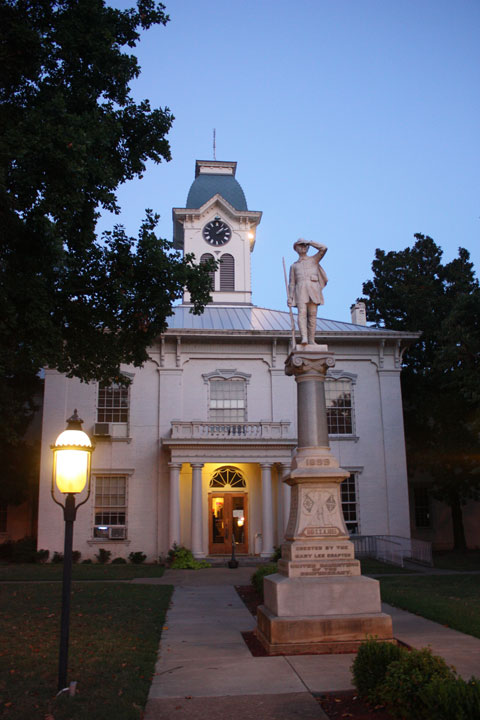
253 318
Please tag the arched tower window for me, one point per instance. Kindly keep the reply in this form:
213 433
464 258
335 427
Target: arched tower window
204 258
226 477
227 272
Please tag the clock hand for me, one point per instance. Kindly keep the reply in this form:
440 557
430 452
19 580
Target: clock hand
220 230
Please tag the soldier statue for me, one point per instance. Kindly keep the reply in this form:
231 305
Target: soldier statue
307 280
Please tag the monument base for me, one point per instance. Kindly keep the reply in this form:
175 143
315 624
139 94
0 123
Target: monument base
320 615
320 635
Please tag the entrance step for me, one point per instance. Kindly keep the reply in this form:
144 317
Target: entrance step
243 560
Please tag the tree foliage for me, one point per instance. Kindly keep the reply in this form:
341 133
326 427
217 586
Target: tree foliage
70 135
413 290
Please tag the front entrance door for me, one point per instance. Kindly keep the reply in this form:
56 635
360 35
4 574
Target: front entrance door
227 515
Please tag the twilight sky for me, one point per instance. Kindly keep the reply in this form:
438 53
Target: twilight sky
353 122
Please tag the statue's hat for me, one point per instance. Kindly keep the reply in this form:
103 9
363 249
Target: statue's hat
300 241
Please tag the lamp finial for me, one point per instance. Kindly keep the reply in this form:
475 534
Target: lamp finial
74 422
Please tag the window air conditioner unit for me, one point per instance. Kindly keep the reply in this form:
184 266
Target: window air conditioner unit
101 429
117 532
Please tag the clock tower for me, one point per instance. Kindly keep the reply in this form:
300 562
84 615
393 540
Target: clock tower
216 223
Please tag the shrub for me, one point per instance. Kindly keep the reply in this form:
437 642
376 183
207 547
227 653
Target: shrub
57 557
370 665
452 698
405 680
76 555
277 553
181 558
24 550
259 574
119 561
137 558
87 561
103 556
42 556
6 550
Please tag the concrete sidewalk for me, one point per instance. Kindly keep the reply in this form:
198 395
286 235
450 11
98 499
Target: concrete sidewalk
205 670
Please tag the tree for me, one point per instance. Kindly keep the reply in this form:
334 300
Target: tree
413 290
70 135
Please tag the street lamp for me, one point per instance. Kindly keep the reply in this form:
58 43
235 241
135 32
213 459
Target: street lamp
72 453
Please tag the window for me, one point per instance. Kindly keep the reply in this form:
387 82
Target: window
3 517
113 403
227 400
348 490
421 504
204 258
227 476
110 506
227 272
339 401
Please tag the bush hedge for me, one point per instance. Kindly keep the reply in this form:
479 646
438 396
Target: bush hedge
260 573
181 558
103 556
371 664
406 678
414 684
452 698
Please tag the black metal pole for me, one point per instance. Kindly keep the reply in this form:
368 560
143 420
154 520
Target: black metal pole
69 515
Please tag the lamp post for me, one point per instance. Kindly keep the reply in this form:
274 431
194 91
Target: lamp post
72 453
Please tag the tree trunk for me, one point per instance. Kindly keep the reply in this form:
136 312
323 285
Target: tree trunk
459 542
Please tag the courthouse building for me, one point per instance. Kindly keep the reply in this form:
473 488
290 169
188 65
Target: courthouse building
195 449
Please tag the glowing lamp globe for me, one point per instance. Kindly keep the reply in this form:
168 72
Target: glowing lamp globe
71 457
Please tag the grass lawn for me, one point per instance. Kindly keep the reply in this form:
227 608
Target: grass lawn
114 635
94 571
469 560
451 600
370 566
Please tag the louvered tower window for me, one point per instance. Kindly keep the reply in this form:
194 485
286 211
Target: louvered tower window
227 272
204 258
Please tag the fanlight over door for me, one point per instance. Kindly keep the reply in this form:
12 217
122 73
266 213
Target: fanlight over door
227 512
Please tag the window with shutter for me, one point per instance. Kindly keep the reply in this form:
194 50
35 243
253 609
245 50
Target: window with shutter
227 272
204 258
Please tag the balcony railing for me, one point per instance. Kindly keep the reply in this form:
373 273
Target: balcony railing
197 430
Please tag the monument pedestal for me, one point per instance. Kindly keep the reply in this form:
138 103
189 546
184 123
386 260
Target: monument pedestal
318 602
320 615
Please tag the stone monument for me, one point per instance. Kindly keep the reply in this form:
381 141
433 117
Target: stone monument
318 601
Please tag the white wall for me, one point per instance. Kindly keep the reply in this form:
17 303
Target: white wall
175 389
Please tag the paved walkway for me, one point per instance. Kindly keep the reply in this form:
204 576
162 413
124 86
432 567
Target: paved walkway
205 670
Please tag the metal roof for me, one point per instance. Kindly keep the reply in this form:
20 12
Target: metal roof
207 185
253 318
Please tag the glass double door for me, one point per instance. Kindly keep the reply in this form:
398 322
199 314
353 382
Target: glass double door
227 520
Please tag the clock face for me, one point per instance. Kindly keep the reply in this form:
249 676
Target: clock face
216 232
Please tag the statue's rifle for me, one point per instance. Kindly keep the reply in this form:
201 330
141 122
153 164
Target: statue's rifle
292 320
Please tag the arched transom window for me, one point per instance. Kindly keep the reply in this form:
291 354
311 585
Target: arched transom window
227 477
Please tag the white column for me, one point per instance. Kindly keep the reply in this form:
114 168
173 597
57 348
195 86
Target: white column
267 511
285 496
197 526
174 504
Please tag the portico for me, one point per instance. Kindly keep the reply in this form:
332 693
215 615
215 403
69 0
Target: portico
227 481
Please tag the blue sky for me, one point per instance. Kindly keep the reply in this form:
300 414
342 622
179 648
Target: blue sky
353 122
